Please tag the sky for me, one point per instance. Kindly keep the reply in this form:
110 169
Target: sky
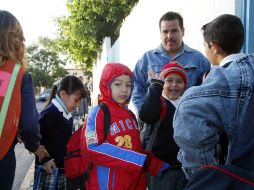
36 16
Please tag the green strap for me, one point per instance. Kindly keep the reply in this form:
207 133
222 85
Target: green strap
8 96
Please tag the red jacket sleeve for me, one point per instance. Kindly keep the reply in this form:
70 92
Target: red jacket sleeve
153 165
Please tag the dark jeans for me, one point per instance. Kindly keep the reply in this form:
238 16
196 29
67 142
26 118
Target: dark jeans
170 180
7 170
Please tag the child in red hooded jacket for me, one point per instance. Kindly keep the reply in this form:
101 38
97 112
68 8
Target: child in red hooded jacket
119 163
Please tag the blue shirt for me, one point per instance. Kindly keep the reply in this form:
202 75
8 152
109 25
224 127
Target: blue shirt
204 111
192 60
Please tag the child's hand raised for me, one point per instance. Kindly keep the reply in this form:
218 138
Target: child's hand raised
154 75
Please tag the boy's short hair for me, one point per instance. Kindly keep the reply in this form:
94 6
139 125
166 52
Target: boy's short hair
227 31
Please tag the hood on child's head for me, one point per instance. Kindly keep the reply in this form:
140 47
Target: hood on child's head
109 73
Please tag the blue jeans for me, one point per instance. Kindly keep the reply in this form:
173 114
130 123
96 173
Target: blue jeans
170 180
7 170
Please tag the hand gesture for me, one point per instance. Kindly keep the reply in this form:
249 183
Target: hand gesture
49 166
153 75
41 152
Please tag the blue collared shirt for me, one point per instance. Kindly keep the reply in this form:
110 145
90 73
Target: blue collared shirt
192 60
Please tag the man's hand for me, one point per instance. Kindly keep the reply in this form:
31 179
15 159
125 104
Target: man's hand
49 166
41 152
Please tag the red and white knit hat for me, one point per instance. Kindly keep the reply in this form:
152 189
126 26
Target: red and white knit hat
176 68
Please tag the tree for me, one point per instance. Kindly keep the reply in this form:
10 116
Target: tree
82 32
44 64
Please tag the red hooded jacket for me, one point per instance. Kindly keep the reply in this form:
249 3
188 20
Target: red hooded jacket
118 161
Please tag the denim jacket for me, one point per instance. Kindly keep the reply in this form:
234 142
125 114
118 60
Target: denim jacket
204 111
192 60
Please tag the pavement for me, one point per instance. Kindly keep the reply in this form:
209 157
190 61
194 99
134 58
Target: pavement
27 183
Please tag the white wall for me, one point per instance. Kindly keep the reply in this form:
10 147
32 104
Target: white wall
98 67
140 30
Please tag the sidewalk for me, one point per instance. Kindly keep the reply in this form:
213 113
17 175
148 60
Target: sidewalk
27 183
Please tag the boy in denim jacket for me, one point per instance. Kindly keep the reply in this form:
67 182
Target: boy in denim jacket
220 103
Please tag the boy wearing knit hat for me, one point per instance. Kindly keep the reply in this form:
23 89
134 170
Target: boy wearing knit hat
160 101
174 81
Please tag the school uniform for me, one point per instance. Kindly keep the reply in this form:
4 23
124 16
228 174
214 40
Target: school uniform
56 128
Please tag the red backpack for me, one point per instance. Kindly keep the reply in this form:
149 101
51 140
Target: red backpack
76 166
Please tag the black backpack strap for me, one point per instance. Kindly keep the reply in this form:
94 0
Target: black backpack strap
107 118
155 126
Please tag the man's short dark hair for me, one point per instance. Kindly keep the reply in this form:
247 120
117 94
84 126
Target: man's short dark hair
172 16
227 31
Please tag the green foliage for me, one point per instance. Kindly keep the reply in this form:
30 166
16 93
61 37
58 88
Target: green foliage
44 65
90 21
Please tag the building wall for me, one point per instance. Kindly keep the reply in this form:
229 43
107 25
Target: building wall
97 68
140 30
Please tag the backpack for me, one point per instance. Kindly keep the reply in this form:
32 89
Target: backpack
149 132
237 173
76 168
